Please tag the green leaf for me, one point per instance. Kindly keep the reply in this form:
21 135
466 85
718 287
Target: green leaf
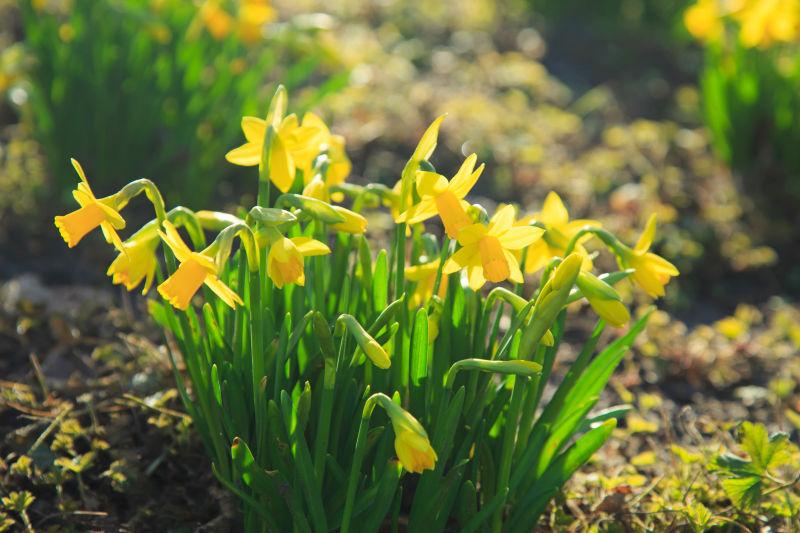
419 348
766 451
744 492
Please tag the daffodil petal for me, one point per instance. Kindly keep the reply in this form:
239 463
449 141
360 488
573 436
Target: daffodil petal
519 237
502 220
646 239
430 183
308 246
466 177
281 165
553 211
225 293
254 129
247 155
475 277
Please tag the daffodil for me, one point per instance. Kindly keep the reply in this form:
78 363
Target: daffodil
559 229
253 14
340 166
486 251
195 269
93 212
704 20
411 442
354 223
216 20
424 276
438 195
137 262
293 147
764 22
651 272
285 259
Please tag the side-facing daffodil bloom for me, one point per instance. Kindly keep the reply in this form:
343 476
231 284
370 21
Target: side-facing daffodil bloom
136 262
411 442
424 276
486 251
285 259
605 301
354 223
651 272
194 270
293 147
93 212
444 197
559 229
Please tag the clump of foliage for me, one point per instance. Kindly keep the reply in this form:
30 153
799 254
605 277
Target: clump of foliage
146 86
286 369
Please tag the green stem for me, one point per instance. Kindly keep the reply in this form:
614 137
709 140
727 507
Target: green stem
358 457
507 450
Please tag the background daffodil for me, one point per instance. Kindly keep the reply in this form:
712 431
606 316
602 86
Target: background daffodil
651 272
486 251
438 195
293 147
195 270
424 276
92 213
559 229
285 259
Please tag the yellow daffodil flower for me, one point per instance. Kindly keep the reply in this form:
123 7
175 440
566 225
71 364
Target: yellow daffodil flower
318 189
136 263
293 147
285 259
704 20
651 272
340 166
425 277
253 14
93 212
438 195
765 22
486 251
216 20
353 223
195 269
559 230
411 442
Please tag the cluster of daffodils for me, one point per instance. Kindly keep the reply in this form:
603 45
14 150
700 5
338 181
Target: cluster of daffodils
244 17
758 23
302 330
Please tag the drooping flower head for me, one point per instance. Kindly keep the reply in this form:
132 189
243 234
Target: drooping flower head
438 195
411 441
651 272
559 229
136 262
486 250
285 260
93 213
195 269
